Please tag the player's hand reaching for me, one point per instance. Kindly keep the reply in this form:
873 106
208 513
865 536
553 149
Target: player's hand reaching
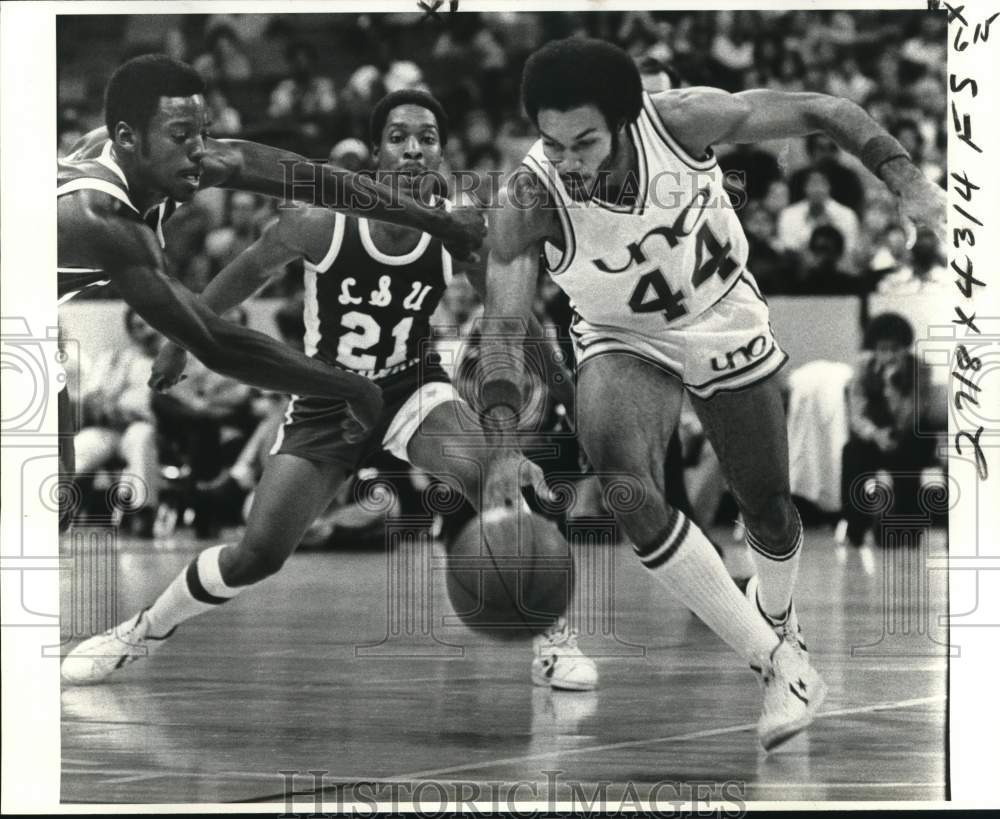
920 200
466 233
364 409
168 368
507 475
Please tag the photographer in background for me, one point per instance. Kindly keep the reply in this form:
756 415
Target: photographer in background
883 408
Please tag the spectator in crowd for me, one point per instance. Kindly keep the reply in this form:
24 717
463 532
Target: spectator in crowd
207 417
486 163
847 79
771 267
225 498
306 96
928 49
819 271
351 154
226 120
824 155
225 58
798 221
925 273
883 411
118 422
241 230
888 252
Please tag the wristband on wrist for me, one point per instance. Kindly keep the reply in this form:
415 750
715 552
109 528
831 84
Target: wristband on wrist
881 149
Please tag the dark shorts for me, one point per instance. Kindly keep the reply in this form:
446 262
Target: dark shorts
311 429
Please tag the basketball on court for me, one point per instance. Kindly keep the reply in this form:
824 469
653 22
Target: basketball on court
510 575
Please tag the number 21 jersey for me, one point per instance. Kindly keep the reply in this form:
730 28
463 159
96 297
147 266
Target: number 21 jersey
368 311
659 263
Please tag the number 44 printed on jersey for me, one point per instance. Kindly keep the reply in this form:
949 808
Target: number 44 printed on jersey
652 292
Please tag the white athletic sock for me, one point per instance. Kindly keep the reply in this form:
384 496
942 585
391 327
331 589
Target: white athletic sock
776 573
197 589
689 567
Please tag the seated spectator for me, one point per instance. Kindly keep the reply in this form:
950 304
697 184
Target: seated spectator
848 81
819 271
824 154
207 417
242 229
118 422
925 272
351 154
225 58
225 499
771 267
883 412
798 221
306 96
226 120
888 251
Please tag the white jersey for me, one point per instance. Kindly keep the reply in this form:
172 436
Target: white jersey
660 263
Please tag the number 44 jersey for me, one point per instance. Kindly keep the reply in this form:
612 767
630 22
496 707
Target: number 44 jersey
659 263
368 311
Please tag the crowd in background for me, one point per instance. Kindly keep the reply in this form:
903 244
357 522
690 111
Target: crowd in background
817 222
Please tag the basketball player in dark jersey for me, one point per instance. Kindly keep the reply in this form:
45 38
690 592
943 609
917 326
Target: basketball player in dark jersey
644 241
370 291
119 185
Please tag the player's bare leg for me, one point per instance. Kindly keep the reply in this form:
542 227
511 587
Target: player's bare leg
748 433
292 492
628 409
451 445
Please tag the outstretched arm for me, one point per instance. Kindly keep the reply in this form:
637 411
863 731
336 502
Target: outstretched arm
250 166
262 169
128 252
287 238
701 117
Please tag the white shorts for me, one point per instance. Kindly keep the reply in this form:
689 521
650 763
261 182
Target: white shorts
413 413
728 347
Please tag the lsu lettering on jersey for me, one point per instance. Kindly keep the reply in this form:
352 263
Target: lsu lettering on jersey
99 173
660 263
368 311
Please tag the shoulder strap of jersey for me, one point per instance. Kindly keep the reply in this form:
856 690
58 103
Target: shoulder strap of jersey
536 162
654 121
92 183
336 240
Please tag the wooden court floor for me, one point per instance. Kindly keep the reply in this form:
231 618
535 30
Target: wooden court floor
349 664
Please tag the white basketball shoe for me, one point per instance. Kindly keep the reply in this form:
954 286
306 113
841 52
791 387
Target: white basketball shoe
95 659
788 630
558 661
793 692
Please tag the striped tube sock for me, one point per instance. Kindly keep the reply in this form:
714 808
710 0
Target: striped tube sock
776 570
687 564
197 589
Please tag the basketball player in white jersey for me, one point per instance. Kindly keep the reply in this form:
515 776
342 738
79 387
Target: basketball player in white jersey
623 193
370 291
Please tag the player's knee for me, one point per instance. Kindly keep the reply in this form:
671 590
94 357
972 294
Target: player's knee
775 522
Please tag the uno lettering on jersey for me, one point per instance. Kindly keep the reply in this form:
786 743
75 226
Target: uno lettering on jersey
367 311
100 173
664 261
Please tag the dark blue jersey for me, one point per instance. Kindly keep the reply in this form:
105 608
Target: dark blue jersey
370 312
101 173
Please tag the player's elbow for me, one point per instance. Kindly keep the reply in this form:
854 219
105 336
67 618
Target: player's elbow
820 111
